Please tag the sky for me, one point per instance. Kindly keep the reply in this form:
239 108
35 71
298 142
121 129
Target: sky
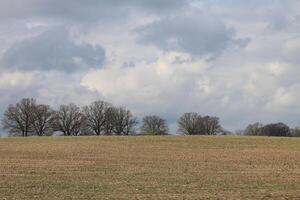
238 60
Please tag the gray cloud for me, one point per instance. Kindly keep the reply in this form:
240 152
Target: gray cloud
53 88
52 50
83 10
259 82
198 35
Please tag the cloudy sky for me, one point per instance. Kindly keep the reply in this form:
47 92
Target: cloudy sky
235 59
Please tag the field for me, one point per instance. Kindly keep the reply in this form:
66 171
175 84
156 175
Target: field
145 167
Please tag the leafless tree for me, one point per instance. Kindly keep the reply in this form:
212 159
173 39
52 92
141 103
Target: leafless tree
69 120
295 132
189 124
195 124
17 118
254 129
211 125
109 120
130 123
42 119
154 125
239 132
278 129
95 116
123 121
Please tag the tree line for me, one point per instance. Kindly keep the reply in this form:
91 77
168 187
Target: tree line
273 129
29 118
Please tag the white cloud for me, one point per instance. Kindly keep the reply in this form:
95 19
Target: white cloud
167 73
285 100
150 84
15 79
278 68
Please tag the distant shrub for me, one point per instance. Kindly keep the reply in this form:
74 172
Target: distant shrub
154 125
195 124
277 129
295 132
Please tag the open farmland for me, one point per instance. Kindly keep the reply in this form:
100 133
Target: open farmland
170 167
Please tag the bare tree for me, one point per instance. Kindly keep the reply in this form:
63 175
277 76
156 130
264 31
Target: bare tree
123 121
295 132
109 120
154 125
211 125
254 129
95 116
189 124
42 119
130 123
195 124
277 129
17 118
239 132
69 120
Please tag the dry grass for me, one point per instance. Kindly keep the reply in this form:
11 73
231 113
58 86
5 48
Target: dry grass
150 168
